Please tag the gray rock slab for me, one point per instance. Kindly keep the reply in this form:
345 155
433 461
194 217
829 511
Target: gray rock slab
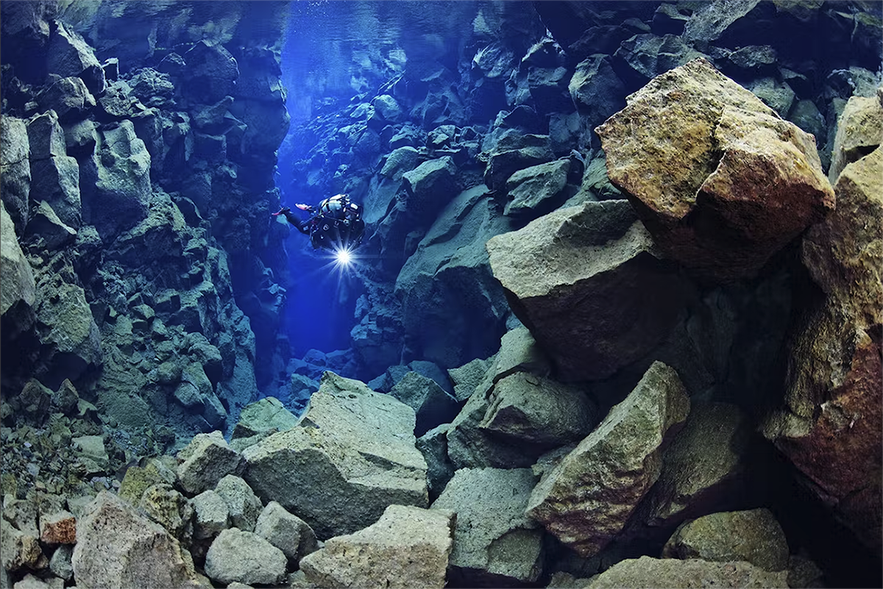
243 505
753 536
287 532
690 574
589 284
539 411
205 461
407 547
586 500
352 454
244 557
494 540
266 415
432 405
116 547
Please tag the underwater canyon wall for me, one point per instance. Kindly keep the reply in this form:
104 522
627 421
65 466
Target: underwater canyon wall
139 146
602 307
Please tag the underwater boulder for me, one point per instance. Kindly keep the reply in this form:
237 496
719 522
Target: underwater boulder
237 556
859 132
470 445
16 276
753 536
434 447
211 72
674 574
514 150
720 181
829 426
586 499
287 532
643 57
596 90
494 540
350 457
243 505
452 308
432 405
205 461
704 468
55 176
115 181
117 547
590 285
537 189
265 415
51 231
211 516
67 54
538 411
68 335
68 97
15 171
407 547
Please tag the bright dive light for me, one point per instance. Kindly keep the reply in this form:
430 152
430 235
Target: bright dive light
343 257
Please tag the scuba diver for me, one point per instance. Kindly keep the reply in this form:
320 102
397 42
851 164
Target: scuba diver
334 224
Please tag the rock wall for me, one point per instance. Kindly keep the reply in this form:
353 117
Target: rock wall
139 148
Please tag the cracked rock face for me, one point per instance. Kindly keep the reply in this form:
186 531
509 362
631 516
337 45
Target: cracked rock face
589 284
586 500
351 456
830 427
719 179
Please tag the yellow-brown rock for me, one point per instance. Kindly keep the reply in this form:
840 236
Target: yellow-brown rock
830 428
859 131
719 179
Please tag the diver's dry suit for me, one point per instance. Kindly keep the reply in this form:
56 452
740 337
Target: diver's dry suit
335 223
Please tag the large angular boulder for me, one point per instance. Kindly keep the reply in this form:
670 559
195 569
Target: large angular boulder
859 132
115 180
117 547
350 457
287 532
68 97
596 90
830 424
242 504
67 330
704 468
513 151
494 541
587 498
16 277
539 411
407 547
15 171
432 405
590 285
721 182
470 445
69 55
205 461
19 549
452 308
236 556
430 186
752 536
690 574
265 415
537 189
211 71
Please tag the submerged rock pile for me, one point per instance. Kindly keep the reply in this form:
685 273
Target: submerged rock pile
581 314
